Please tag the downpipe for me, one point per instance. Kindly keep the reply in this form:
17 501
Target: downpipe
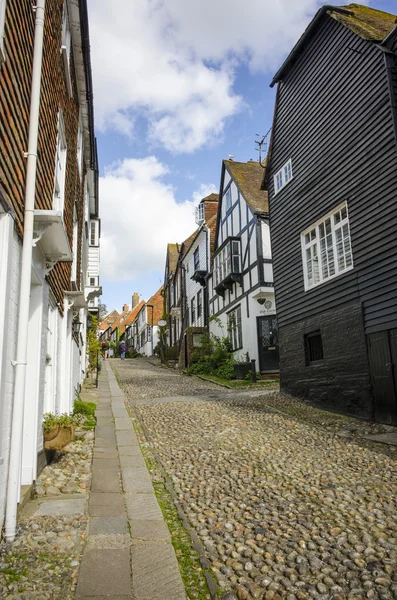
25 280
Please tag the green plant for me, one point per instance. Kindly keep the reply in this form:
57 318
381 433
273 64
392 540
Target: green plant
214 356
84 408
93 345
51 420
248 377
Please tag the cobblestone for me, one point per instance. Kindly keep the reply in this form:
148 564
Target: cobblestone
284 508
43 561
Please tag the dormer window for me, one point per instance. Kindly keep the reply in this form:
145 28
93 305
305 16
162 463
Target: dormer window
66 48
200 213
282 177
60 166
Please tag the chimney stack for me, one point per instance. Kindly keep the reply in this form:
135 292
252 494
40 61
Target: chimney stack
125 308
135 300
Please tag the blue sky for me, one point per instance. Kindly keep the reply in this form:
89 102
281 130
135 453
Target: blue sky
178 86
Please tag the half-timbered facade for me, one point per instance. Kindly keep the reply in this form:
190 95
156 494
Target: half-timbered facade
196 262
48 198
241 293
332 184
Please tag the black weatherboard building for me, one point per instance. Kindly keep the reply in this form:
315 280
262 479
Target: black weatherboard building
332 183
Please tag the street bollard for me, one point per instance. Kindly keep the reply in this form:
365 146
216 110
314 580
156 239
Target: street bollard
253 368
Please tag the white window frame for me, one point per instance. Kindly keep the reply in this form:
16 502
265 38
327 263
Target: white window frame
235 328
2 23
330 249
200 213
66 48
283 177
60 166
93 230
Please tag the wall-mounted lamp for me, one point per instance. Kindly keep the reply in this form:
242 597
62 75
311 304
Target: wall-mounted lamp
77 325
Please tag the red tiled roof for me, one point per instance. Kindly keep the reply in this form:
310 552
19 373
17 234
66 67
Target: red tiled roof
157 301
131 316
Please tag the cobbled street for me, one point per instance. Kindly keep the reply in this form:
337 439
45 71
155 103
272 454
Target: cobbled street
284 507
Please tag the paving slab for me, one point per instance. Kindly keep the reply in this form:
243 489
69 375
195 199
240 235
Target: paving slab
108 525
61 507
143 529
126 438
130 451
383 438
105 453
103 597
105 443
106 499
136 480
105 572
117 405
110 483
122 423
134 462
155 572
105 431
119 411
105 463
143 506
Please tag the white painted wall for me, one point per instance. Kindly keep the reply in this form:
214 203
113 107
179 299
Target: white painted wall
10 260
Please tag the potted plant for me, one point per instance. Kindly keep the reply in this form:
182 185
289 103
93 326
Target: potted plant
242 368
58 430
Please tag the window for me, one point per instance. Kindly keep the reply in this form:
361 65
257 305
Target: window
196 258
75 244
66 48
2 21
60 166
200 213
193 310
80 147
235 329
93 281
228 196
93 233
227 261
149 333
326 248
283 176
199 303
313 347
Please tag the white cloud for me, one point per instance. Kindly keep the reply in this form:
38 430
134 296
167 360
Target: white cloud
140 215
174 61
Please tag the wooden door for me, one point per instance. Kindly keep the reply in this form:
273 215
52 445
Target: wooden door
268 343
382 354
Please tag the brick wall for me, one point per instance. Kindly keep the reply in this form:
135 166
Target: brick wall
341 380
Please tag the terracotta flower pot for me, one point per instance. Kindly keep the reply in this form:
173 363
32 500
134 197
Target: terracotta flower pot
58 437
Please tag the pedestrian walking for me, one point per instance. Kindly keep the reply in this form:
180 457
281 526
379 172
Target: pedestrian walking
123 348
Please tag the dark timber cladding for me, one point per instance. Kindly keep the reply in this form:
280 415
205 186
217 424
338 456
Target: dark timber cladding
336 120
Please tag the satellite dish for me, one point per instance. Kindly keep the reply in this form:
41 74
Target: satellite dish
162 323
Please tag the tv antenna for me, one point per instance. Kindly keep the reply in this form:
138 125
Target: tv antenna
261 145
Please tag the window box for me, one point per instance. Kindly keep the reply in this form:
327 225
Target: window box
227 266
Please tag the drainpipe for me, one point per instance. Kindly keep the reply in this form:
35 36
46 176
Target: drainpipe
24 294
